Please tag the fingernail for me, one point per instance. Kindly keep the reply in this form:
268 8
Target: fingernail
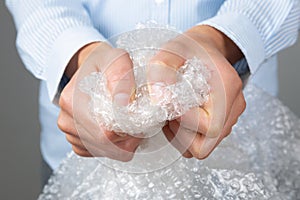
121 99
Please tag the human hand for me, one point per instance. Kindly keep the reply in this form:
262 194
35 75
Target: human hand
82 131
201 129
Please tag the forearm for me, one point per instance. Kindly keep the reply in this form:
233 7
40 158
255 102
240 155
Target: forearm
49 33
259 28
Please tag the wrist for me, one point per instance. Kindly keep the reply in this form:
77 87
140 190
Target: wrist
79 58
219 41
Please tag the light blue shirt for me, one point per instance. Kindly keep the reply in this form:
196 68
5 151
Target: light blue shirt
50 32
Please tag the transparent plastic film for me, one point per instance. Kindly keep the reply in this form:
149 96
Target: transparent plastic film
257 161
143 114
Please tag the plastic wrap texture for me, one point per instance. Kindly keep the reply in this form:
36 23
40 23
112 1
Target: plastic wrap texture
144 113
259 160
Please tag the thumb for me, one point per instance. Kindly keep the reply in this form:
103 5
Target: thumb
161 71
120 77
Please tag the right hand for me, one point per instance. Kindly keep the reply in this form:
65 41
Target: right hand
82 131
201 129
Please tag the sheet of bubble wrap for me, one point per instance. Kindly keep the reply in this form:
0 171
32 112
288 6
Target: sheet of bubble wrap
259 160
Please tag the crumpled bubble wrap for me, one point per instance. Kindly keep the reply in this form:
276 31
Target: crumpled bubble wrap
260 159
143 114
147 113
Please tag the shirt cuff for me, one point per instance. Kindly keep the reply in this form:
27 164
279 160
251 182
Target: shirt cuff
243 33
63 50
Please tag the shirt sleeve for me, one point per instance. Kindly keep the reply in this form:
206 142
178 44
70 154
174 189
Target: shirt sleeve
260 28
49 33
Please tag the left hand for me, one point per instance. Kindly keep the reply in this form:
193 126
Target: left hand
201 129
82 131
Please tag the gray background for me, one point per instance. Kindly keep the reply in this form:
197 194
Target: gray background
19 143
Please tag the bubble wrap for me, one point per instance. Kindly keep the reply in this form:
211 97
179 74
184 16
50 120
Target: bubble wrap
143 114
148 111
259 160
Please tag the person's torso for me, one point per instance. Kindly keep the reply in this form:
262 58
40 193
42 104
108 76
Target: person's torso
113 17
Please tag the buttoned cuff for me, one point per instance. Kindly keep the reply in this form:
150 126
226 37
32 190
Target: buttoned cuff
243 33
63 50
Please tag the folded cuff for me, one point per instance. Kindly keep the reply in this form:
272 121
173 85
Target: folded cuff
243 33
63 50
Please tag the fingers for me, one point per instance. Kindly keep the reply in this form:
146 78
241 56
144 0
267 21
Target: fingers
97 143
238 108
192 141
184 46
199 145
129 145
210 118
66 123
209 144
171 138
196 119
81 152
162 67
207 120
117 68
81 129
120 77
122 150
75 140
161 70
